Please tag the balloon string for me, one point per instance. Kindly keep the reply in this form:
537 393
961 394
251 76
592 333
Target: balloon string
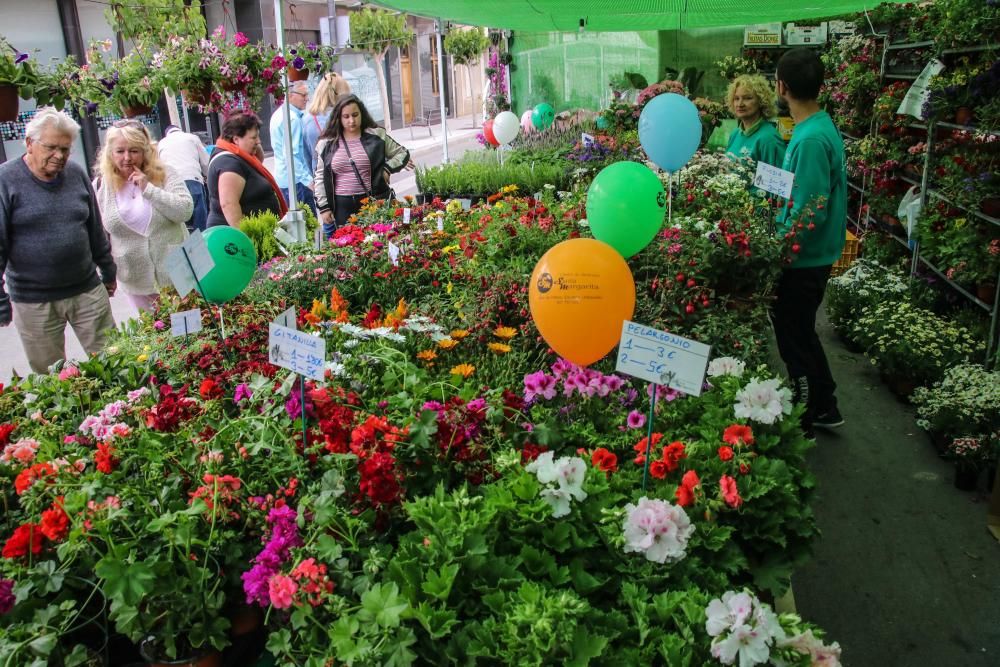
670 199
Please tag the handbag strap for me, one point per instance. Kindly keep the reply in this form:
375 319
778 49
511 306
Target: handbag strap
354 166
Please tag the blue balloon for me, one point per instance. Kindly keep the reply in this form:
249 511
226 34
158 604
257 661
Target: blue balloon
670 130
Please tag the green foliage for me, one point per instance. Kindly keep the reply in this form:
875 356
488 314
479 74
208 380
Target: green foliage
466 46
375 31
966 402
481 174
156 21
260 228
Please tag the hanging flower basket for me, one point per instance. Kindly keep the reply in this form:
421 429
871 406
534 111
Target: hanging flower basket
200 96
297 74
8 103
133 110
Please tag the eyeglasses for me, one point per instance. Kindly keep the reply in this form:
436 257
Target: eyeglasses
62 150
130 122
298 92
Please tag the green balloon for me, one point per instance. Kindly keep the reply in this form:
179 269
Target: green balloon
235 263
625 207
542 116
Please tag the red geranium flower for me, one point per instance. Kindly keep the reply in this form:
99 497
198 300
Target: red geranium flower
28 476
684 495
604 460
210 389
530 452
55 522
730 493
672 454
726 453
5 431
26 537
640 447
105 458
737 435
658 469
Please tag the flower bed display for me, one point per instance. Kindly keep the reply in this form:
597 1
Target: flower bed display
455 490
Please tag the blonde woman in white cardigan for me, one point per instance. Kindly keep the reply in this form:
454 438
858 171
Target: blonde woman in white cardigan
144 206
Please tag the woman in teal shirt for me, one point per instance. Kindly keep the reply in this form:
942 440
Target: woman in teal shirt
751 100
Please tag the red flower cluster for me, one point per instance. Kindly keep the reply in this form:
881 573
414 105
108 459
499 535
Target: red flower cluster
105 458
220 493
55 521
313 581
531 451
669 461
685 493
30 537
373 443
5 431
348 235
640 447
730 493
738 435
173 408
336 418
604 460
210 389
30 475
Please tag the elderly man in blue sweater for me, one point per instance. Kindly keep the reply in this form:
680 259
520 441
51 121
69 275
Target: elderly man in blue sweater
54 253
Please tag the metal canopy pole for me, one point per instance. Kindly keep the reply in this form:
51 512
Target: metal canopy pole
442 89
293 221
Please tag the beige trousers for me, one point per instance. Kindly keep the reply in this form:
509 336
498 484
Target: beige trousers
42 326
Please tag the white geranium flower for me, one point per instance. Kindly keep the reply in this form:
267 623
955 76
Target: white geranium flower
763 402
741 626
657 529
563 480
745 642
726 366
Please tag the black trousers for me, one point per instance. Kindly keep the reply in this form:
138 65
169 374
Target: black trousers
799 295
344 207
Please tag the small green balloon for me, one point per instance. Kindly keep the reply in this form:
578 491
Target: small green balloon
542 116
625 207
235 263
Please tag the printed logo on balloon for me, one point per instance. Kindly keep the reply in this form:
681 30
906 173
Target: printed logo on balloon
581 293
235 263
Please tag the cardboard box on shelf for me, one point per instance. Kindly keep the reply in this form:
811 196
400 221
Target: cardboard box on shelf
804 35
762 34
842 28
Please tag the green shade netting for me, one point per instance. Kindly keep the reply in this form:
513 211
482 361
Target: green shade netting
622 15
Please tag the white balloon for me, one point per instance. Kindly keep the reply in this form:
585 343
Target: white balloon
505 127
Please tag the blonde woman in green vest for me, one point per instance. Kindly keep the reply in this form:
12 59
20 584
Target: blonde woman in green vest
751 100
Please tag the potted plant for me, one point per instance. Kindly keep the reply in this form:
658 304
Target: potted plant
251 68
17 79
966 400
731 67
971 455
306 58
194 67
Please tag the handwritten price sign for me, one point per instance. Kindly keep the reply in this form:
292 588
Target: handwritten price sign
298 352
662 358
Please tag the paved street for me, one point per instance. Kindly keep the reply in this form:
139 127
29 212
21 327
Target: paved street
425 151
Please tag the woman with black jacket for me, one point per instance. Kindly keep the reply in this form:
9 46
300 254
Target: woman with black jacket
355 160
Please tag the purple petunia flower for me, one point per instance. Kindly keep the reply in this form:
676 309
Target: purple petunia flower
299 62
21 57
636 419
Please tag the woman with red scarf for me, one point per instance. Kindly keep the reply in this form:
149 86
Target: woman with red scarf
238 182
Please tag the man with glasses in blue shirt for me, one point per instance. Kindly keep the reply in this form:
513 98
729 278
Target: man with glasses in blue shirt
298 97
55 259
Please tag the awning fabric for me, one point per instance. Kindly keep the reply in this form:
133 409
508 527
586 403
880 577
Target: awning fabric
622 15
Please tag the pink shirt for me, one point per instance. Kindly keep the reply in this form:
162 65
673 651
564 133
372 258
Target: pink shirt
343 174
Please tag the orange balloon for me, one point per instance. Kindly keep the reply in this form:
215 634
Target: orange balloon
580 293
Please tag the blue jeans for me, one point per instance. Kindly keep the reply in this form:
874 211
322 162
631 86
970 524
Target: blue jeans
199 214
304 196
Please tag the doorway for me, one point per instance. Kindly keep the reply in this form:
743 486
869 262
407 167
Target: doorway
406 84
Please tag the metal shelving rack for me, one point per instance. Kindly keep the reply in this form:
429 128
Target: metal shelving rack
926 191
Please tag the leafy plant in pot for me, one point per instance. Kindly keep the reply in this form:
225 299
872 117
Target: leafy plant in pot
17 79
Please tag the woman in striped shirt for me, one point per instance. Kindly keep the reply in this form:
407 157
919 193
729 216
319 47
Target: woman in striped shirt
355 158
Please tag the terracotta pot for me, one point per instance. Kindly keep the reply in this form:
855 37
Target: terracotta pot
963 116
136 110
8 103
244 620
990 206
297 74
211 659
200 96
986 292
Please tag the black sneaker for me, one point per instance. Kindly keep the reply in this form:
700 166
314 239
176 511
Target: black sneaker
829 419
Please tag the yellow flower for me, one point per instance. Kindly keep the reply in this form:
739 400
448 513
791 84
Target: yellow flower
505 333
459 334
499 348
465 370
450 248
427 355
448 288
447 343
142 358
508 189
454 206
